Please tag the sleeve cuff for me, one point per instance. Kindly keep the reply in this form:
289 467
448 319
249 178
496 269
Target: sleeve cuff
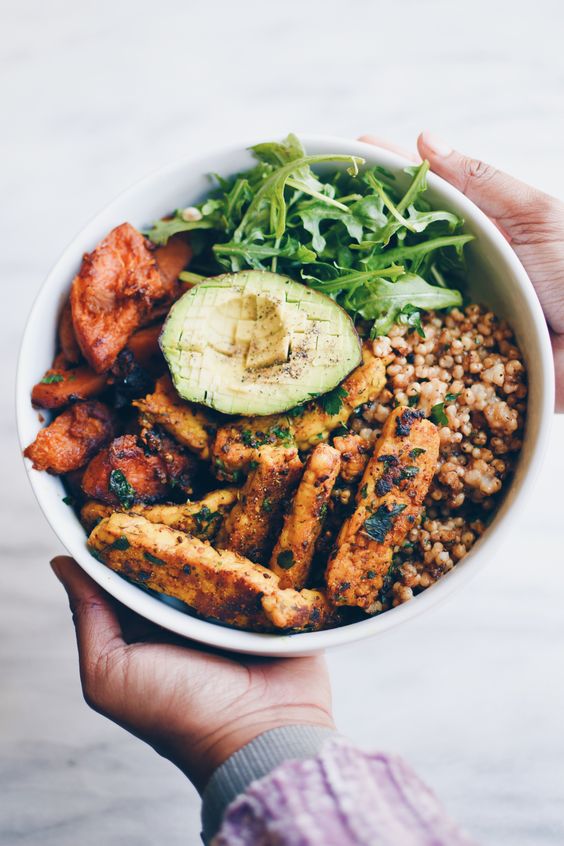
254 761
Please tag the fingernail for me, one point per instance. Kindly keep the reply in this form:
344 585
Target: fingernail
438 147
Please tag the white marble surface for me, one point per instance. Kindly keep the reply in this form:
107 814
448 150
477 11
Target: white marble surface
94 96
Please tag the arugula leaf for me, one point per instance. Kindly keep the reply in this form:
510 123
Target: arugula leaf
383 253
389 298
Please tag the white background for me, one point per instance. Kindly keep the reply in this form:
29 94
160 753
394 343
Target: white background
94 96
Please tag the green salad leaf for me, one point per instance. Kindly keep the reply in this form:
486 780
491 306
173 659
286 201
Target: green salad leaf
384 254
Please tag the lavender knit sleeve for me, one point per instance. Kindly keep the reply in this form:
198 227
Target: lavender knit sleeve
340 797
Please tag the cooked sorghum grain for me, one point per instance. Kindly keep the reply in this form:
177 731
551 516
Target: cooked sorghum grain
468 364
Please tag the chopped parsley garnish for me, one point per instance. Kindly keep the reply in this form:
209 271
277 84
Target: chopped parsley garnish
153 559
438 414
296 412
380 523
52 379
323 511
364 491
283 433
285 559
267 504
416 452
413 400
411 316
333 401
409 472
121 488
120 543
452 397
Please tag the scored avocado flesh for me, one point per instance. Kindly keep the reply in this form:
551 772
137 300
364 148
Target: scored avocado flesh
257 343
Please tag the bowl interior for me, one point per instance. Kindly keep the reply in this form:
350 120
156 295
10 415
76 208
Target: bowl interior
496 279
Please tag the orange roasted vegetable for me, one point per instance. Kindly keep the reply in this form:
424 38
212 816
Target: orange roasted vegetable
71 440
118 286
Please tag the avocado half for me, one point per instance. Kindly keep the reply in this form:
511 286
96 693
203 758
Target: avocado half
257 343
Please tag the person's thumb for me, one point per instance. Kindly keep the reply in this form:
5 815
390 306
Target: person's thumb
498 195
95 619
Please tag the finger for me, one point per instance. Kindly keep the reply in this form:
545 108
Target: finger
384 144
497 194
97 627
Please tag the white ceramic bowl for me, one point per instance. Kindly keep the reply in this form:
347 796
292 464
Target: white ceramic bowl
496 279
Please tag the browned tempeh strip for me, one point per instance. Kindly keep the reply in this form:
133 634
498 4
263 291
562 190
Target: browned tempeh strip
250 527
388 501
363 385
217 583
291 557
202 518
190 425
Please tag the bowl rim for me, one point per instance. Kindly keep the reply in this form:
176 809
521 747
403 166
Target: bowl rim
304 643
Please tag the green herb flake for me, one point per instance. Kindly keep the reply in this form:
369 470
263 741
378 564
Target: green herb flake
285 559
323 511
68 500
267 504
121 488
409 472
416 452
95 554
52 379
282 433
332 402
120 543
364 491
296 412
379 524
253 464
438 414
153 559
452 397
413 400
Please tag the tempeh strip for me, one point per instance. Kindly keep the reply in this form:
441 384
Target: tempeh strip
251 526
202 518
291 557
218 584
388 501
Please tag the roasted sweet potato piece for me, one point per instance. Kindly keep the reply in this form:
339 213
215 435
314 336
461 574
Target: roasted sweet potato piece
144 345
172 258
388 501
201 519
71 440
250 527
61 386
219 584
293 553
139 474
117 287
189 425
67 338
